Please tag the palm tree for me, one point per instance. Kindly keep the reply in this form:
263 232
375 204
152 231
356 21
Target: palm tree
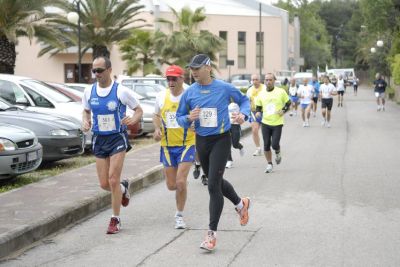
186 40
20 18
103 22
139 51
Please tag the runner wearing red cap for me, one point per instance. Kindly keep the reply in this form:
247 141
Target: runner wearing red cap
177 144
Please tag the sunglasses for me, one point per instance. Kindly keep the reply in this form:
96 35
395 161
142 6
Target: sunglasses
98 70
172 79
268 80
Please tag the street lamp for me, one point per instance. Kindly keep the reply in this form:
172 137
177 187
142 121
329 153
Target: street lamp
75 18
373 50
379 43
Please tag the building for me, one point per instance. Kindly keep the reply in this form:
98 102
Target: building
239 22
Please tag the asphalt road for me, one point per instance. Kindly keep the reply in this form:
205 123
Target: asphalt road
333 201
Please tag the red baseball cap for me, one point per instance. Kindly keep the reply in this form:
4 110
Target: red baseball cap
174 71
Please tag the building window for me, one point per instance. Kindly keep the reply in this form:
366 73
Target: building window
259 46
241 50
223 54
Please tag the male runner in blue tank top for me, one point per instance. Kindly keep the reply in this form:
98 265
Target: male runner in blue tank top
104 112
206 104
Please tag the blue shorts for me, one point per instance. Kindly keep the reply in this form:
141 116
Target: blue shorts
104 146
304 106
294 99
171 156
253 117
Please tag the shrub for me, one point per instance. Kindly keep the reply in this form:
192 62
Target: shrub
396 69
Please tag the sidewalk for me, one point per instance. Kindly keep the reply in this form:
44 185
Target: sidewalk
37 210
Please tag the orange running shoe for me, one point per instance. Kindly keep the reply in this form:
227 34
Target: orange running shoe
209 242
244 212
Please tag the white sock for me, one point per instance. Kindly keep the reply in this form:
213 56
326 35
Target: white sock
214 233
123 189
113 216
179 213
240 205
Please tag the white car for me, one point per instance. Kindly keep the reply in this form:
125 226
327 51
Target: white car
35 95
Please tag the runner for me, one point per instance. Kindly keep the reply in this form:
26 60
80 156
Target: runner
327 91
206 104
107 101
356 81
305 92
273 103
380 88
341 87
252 94
315 84
236 132
177 144
294 99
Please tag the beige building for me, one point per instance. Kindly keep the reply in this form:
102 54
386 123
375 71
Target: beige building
237 21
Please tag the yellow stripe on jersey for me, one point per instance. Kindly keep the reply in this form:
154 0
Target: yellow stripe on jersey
176 136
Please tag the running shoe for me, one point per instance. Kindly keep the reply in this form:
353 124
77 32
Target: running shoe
179 222
114 226
378 108
304 124
244 212
196 171
209 242
291 114
257 152
229 164
269 168
125 196
383 108
204 179
328 125
323 123
278 158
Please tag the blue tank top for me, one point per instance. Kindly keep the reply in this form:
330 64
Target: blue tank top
108 111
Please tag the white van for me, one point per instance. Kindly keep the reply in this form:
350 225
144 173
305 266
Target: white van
299 76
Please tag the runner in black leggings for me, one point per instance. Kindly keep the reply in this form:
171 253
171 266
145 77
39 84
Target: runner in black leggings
206 104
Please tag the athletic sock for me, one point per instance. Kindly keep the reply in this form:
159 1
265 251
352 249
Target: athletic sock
123 189
179 213
240 205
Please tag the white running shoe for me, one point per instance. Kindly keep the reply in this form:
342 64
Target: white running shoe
383 108
304 124
269 168
307 123
378 108
179 222
257 152
323 123
328 125
278 158
229 164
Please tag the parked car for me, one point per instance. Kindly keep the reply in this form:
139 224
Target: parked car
149 79
242 85
59 137
35 95
20 151
68 91
148 91
78 86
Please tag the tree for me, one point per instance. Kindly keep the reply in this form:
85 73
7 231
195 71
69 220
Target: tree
20 18
139 51
314 40
103 22
185 40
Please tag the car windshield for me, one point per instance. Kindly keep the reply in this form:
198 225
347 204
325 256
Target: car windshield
47 91
240 83
147 91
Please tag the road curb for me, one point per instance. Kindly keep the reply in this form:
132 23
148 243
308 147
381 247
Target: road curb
22 237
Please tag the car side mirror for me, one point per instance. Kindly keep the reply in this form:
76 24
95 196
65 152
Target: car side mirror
22 101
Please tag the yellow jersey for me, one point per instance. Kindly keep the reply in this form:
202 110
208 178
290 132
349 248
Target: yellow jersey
252 94
272 102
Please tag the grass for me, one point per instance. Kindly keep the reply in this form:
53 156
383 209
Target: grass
54 168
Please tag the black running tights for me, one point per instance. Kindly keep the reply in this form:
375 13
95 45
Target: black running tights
213 153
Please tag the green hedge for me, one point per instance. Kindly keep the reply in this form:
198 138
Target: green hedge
396 69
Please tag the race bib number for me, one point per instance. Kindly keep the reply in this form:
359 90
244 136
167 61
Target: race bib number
171 120
271 109
106 122
208 117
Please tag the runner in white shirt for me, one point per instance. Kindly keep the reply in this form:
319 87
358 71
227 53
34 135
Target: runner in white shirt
327 91
305 92
340 90
294 99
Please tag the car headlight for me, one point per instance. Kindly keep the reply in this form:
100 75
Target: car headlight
7 145
59 132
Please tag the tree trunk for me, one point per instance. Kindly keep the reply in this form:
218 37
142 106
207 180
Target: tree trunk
100 50
7 56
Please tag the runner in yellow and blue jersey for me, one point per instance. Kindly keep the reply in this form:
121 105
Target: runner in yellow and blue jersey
177 144
206 104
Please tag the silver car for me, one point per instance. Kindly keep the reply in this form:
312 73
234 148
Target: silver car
20 151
